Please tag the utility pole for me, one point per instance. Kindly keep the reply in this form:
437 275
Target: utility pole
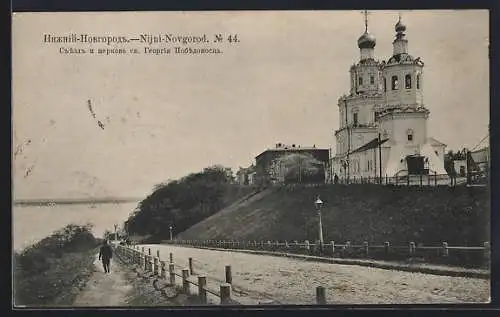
331 165
116 234
380 158
348 142
468 167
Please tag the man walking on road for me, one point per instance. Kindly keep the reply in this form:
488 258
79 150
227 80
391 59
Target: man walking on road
105 253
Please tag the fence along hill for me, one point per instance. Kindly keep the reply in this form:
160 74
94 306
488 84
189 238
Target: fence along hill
363 212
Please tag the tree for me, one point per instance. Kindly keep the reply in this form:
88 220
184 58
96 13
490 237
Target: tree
181 203
299 168
108 235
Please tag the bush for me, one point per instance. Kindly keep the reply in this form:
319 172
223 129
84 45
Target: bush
45 271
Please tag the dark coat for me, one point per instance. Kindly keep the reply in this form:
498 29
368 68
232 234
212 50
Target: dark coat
105 252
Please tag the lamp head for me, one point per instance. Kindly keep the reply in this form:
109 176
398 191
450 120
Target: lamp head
318 203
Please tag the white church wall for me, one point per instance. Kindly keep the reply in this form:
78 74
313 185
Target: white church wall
403 95
386 127
404 124
366 73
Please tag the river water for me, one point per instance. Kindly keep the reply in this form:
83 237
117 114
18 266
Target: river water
32 223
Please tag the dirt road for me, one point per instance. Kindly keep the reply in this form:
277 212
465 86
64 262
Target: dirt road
105 289
260 278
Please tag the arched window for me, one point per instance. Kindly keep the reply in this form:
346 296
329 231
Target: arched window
385 85
394 83
409 134
355 119
408 81
418 81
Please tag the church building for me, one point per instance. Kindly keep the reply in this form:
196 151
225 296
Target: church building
384 118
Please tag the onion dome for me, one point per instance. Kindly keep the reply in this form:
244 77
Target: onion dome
367 40
400 27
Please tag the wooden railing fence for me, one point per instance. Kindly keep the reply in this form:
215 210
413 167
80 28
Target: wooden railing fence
157 268
444 253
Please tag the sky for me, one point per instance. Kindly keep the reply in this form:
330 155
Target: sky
166 116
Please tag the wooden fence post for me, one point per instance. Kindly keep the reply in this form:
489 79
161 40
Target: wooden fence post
185 282
333 247
412 248
387 247
225 294
320 295
191 271
171 257
308 247
435 178
445 252
162 269
347 247
171 270
229 276
202 293
365 245
155 265
486 253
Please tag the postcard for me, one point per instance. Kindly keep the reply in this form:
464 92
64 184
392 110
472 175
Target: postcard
207 158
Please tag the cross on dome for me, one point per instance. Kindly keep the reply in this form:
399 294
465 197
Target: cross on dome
366 40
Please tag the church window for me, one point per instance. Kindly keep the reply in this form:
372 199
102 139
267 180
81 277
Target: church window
408 81
418 81
360 80
385 85
394 82
355 118
372 80
409 134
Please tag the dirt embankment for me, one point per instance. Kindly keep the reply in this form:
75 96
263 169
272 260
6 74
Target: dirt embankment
53 271
357 213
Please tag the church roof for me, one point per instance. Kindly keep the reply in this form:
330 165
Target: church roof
403 58
433 141
370 145
404 109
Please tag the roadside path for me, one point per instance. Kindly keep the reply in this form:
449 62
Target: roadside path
104 290
290 281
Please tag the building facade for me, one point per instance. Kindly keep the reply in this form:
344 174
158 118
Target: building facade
383 120
291 163
246 176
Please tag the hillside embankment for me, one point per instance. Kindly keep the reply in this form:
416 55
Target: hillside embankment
357 213
54 270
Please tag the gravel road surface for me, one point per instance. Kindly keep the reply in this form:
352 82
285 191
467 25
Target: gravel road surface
268 279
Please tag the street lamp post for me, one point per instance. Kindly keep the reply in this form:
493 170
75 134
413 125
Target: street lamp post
170 228
318 203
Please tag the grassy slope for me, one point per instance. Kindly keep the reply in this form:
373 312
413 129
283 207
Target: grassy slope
52 272
357 213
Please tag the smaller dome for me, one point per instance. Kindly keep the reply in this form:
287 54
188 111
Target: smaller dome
400 27
367 40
